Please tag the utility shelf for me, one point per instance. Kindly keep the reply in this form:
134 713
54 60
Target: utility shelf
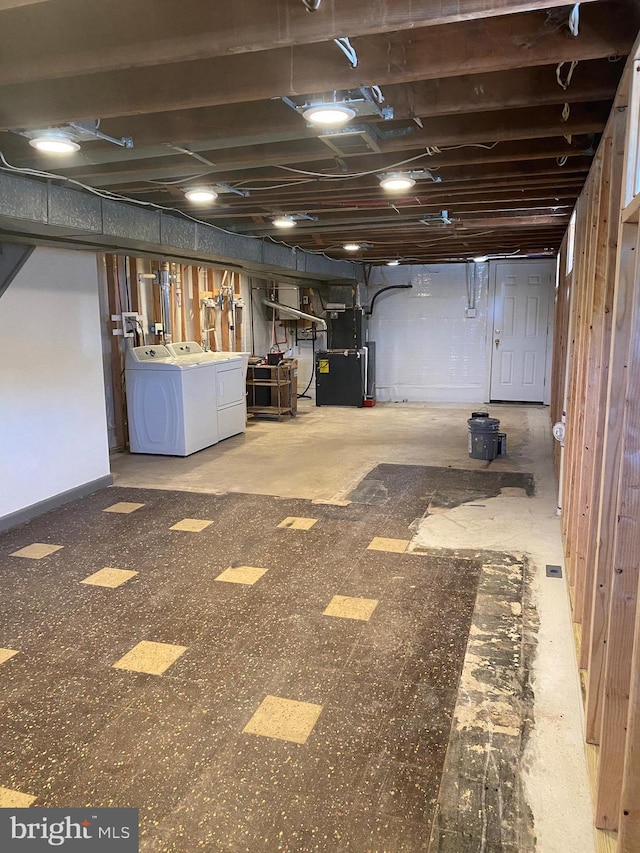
272 389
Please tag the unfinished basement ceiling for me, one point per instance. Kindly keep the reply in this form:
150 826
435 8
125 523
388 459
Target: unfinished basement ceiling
500 101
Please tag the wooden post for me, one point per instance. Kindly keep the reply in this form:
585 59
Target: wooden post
573 389
608 438
211 288
585 383
116 354
224 319
134 284
239 313
624 397
185 274
629 822
195 304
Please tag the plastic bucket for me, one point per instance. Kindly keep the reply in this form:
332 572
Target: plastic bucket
483 438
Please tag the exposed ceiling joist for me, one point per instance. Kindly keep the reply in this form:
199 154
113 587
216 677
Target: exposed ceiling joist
483 128
71 34
470 47
498 99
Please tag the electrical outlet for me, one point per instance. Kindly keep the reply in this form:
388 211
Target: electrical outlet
156 328
471 312
130 322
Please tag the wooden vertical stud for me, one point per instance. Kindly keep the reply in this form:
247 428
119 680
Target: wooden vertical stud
629 822
606 464
116 354
624 572
195 304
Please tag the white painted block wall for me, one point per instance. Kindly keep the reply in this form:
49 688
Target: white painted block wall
53 431
427 349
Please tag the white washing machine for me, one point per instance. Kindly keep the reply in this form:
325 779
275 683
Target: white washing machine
172 411
230 388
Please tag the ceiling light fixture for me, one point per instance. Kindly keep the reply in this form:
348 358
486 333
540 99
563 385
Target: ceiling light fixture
352 247
53 142
329 115
393 263
481 259
201 195
396 182
284 221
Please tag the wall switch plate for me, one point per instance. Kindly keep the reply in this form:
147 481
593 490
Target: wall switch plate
471 312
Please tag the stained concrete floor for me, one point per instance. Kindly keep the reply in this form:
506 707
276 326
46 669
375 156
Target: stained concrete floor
257 674
325 453
513 776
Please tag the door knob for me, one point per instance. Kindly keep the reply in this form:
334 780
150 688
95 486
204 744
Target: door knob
497 341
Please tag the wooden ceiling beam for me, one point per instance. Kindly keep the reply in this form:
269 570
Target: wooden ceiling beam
371 221
370 201
544 216
509 150
469 47
269 122
593 80
482 128
94 36
236 125
119 181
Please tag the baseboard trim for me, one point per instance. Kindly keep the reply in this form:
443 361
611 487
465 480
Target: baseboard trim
30 512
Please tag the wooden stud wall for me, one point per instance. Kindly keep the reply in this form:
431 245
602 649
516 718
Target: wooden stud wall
190 285
596 381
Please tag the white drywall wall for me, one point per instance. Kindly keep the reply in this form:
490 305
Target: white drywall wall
427 349
53 430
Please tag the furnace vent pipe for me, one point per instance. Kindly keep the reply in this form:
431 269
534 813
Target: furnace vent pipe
286 309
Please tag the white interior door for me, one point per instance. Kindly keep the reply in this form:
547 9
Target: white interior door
520 321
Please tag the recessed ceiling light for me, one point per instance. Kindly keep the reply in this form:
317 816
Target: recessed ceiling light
284 221
352 247
329 115
395 182
54 143
393 263
201 195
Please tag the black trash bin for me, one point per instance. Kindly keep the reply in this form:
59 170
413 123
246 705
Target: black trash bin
484 438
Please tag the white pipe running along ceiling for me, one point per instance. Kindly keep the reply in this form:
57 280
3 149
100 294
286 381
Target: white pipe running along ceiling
286 309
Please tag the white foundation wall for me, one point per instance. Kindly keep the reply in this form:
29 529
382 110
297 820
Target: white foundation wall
427 349
263 334
53 430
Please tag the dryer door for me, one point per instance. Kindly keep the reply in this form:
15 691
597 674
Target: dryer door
231 385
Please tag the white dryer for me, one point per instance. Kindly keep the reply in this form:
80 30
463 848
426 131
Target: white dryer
171 409
230 387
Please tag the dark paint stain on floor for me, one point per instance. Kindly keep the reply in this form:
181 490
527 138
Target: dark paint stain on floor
74 731
415 490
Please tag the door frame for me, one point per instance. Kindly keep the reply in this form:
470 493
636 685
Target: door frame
552 265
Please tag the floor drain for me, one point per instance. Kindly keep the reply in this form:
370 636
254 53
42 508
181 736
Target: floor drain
554 571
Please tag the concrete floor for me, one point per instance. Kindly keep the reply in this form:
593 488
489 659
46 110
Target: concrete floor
324 453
